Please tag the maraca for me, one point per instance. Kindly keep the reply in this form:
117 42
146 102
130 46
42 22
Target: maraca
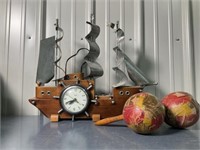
182 110
142 112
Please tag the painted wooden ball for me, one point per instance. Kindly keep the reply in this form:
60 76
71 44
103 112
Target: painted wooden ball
143 113
182 110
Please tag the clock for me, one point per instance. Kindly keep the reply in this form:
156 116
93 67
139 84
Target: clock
74 99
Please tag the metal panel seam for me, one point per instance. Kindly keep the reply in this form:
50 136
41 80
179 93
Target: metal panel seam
171 49
187 48
6 52
107 46
73 32
22 49
156 43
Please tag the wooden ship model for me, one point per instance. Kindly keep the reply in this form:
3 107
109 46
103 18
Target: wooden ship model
74 95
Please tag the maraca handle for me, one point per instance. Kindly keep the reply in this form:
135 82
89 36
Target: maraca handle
109 120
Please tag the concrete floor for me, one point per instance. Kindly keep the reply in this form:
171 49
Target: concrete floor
37 133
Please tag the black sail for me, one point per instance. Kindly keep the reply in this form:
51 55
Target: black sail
45 70
91 68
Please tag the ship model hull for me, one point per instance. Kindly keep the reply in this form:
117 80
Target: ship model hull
47 100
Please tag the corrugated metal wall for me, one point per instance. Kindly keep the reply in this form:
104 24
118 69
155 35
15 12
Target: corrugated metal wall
161 37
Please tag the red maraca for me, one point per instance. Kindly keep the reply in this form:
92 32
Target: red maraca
181 109
142 112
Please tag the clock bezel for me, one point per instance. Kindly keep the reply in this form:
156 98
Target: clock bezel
69 88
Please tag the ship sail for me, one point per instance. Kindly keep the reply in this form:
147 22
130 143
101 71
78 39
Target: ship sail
122 78
45 70
134 73
90 67
49 56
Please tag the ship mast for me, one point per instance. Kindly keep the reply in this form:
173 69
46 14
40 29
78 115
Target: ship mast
56 53
59 33
93 12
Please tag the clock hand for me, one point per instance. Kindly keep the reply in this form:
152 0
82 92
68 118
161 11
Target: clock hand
70 96
70 101
77 101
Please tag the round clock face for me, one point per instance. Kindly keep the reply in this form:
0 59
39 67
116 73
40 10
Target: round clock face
74 99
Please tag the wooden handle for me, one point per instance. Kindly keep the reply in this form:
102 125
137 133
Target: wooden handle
109 120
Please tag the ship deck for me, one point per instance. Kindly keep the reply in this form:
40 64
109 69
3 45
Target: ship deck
38 133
